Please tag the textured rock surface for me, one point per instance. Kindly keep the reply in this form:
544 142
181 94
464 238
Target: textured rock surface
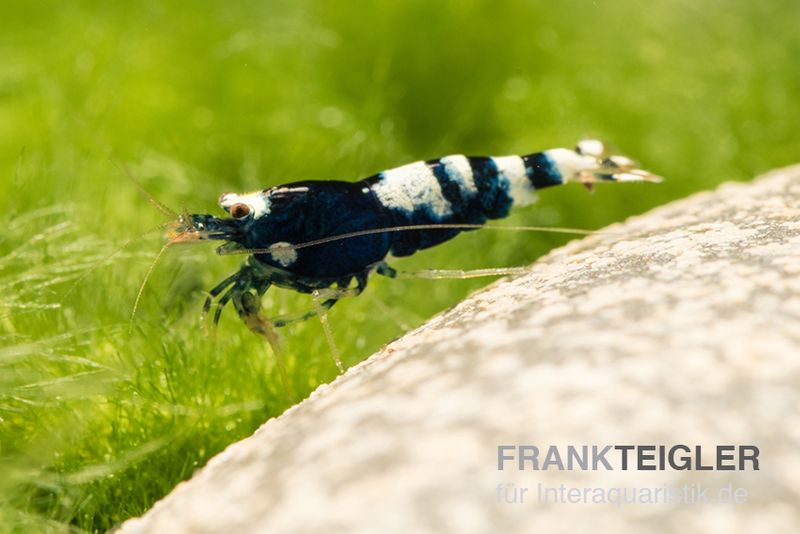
680 327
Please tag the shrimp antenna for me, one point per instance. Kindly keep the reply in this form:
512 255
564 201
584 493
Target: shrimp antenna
408 228
146 194
147 278
125 244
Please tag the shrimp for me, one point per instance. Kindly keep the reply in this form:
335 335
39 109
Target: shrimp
325 238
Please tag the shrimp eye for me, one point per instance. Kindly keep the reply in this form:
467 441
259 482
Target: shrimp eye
240 211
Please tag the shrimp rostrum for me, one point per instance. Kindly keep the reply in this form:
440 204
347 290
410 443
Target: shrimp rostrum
325 238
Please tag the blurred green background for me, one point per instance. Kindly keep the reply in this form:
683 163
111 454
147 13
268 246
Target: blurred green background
200 98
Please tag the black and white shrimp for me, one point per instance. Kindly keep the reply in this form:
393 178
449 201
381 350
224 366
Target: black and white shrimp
326 238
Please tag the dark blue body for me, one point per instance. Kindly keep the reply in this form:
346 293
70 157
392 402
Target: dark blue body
309 210
305 211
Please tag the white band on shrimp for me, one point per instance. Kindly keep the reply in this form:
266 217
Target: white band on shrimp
258 202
